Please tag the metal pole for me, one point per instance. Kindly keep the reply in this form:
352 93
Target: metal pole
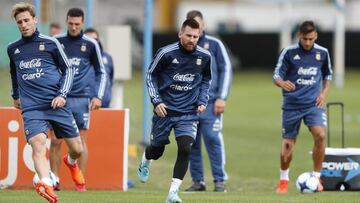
147 38
89 13
37 4
339 42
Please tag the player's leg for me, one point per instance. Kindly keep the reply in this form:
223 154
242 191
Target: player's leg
160 137
316 120
55 156
196 165
64 126
83 159
35 127
80 109
291 121
185 129
213 139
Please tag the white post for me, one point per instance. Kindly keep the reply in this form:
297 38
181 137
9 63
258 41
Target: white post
339 43
286 25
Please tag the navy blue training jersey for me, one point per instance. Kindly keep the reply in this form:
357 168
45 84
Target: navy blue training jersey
84 53
180 79
221 74
306 69
40 71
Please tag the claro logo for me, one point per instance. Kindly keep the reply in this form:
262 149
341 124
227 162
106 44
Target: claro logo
13 150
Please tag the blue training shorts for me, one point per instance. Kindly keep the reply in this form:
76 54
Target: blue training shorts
291 120
80 108
185 125
61 120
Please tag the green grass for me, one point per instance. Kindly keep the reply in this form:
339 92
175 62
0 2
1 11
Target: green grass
252 139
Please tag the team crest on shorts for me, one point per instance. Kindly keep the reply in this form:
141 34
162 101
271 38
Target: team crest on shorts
42 47
198 61
27 132
83 48
318 56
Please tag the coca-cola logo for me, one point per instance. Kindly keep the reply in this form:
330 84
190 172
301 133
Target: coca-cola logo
34 63
184 78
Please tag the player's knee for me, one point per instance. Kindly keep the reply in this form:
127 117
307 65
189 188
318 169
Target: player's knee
155 153
184 145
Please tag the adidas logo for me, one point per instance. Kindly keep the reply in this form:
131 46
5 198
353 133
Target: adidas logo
175 61
17 51
296 57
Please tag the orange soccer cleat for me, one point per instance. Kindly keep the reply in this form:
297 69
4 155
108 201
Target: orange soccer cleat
282 188
76 175
320 186
46 191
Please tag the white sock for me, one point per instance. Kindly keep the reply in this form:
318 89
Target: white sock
57 179
316 174
144 160
284 174
71 160
47 181
175 185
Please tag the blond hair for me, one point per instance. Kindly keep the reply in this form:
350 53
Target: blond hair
22 7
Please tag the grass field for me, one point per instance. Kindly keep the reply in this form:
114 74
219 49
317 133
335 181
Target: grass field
252 140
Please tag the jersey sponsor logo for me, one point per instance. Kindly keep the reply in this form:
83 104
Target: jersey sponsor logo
31 76
17 51
184 78
302 81
307 71
318 56
296 57
182 88
34 63
175 61
75 61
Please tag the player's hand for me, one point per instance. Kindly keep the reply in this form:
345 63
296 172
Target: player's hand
95 103
201 108
58 102
321 101
288 86
17 103
160 110
219 106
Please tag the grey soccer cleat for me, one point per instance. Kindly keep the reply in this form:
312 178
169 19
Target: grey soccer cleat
219 186
197 186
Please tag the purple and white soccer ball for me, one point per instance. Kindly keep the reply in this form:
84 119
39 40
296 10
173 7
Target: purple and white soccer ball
36 179
307 183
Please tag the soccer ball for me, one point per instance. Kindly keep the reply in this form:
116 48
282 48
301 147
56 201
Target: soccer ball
307 183
36 179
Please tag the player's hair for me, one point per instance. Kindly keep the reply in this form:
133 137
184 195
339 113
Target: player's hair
55 25
75 12
191 23
92 30
194 14
22 7
307 27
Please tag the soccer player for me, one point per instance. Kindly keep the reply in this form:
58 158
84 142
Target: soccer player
108 64
54 29
178 81
85 55
210 123
303 72
41 79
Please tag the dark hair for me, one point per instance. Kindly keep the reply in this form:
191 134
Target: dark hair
75 12
191 23
55 25
194 14
307 27
91 30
